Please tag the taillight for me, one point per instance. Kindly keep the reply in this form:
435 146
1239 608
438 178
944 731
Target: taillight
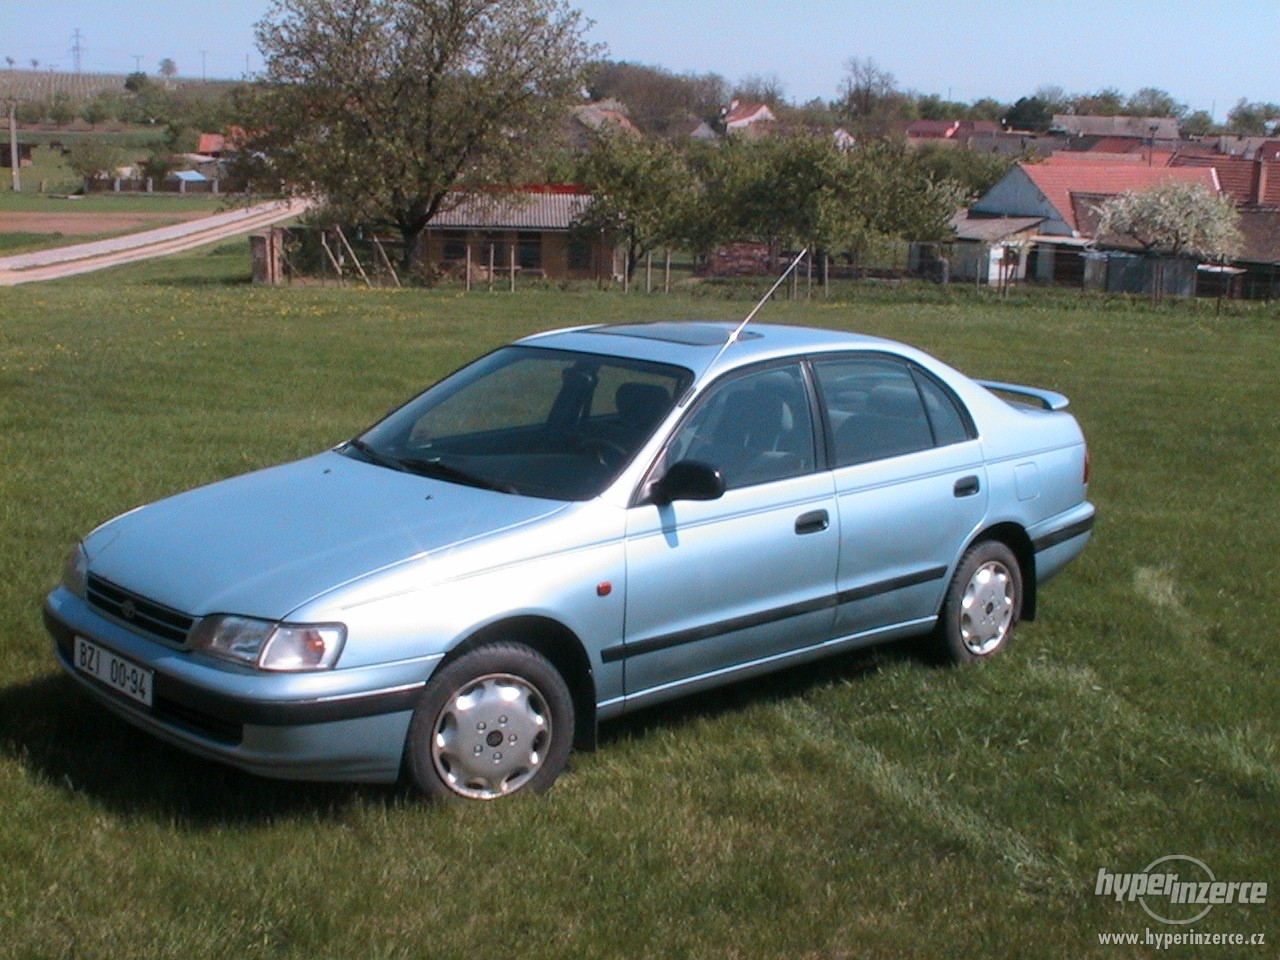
1086 465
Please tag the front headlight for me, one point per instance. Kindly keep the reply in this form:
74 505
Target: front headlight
75 572
270 646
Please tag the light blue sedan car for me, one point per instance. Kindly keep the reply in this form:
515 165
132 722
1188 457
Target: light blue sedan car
582 523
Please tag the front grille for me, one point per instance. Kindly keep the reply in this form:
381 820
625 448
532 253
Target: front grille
145 616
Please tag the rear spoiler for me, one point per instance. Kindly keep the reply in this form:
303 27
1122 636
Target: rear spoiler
1046 398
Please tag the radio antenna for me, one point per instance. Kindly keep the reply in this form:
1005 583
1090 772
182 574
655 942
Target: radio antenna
733 337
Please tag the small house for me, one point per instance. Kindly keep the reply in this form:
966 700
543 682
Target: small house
533 232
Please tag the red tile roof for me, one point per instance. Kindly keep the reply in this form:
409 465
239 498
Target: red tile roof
1116 145
595 116
1080 158
741 114
1261 231
1145 157
1269 150
1239 177
211 143
932 129
1058 181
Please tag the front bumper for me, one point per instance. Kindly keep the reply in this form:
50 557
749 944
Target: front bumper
326 725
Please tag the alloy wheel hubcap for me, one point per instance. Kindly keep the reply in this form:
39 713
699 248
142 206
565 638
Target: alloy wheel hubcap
986 611
491 736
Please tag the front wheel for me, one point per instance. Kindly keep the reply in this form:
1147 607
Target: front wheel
496 721
982 604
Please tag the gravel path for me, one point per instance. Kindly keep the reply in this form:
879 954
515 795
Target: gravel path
100 254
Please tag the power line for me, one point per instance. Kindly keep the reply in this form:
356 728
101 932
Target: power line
76 49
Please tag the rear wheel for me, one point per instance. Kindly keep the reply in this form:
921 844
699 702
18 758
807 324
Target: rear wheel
496 721
982 604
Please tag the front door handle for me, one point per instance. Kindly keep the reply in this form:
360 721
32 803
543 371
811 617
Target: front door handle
967 486
813 522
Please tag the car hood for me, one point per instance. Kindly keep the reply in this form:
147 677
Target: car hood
265 543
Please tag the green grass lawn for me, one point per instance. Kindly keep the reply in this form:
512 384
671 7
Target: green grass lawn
867 806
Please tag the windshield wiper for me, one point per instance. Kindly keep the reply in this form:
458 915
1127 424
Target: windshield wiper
442 471
375 456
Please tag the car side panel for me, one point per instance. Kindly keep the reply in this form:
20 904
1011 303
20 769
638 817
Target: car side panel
718 583
903 524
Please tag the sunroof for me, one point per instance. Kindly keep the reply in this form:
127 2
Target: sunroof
689 334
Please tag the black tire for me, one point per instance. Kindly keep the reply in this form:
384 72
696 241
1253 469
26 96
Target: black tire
496 721
982 605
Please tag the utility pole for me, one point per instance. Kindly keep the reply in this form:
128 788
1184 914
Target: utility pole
204 73
13 145
137 63
76 49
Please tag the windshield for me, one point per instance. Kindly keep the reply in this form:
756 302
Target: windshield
527 420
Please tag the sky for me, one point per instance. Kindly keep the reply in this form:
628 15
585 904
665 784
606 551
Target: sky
1208 55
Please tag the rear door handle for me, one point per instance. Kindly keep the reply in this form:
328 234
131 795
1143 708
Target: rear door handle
967 486
813 522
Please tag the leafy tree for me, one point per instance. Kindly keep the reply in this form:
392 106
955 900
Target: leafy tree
764 88
658 102
884 190
10 61
976 172
92 159
1251 119
62 109
159 165
640 192
136 82
1154 102
1029 113
986 108
766 190
1054 98
816 116
385 107
100 109
870 102
1108 102
933 107
1197 124
1176 218
803 191
32 111
168 69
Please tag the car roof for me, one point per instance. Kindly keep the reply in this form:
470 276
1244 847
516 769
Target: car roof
697 345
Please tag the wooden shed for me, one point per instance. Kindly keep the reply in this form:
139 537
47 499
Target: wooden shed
532 232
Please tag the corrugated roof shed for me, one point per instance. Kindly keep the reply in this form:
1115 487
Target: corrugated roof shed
514 211
991 229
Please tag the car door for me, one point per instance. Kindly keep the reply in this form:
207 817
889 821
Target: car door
713 585
910 485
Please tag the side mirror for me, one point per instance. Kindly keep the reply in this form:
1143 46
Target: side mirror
688 480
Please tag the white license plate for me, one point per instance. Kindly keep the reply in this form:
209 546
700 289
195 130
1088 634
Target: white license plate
116 672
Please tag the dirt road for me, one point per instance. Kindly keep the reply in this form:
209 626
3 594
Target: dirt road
100 254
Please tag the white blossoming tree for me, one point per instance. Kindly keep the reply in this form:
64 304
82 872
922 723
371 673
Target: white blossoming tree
1175 218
